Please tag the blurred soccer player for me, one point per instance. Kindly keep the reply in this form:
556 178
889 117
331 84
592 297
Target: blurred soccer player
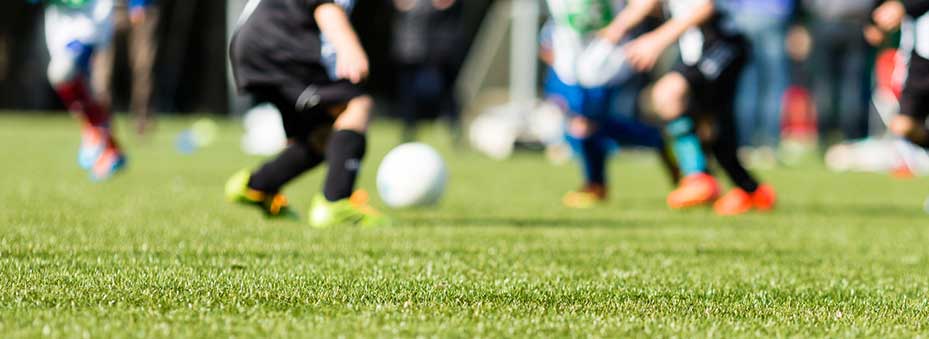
304 57
138 19
914 101
568 42
703 86
74 30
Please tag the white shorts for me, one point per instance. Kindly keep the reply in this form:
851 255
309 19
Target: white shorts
91 26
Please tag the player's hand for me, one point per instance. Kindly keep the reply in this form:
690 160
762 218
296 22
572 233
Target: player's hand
352 65
643 52
889 16
873 35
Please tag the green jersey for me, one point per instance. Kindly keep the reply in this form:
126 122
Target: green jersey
68 3
583 16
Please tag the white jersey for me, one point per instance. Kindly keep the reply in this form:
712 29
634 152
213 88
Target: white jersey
91 25
580 58
72 34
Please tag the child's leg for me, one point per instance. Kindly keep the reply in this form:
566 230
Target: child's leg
67 72
914 105
725 149
671 98
748 194
346 148
589 148
911 129
302 153
630 132
72 37
298 158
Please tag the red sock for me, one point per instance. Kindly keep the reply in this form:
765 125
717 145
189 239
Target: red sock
77 99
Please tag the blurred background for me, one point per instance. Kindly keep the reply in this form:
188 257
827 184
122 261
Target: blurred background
816 79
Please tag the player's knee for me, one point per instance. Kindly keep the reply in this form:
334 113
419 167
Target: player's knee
62 71
669 96
580 127
356 115
903 126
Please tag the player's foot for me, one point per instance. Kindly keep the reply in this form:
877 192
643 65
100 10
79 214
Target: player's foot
694 190
352 211
272 205
586 197
108 164
92 146
737 201
765 198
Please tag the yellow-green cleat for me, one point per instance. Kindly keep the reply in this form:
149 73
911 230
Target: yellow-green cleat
273 206
352 211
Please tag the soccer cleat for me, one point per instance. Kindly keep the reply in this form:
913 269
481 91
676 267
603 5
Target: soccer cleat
736 202
352 211
587 197
765 198
694 190
111 162
273 206
92 146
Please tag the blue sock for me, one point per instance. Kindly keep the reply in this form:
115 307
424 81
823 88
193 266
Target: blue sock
630 132
592 153
686 146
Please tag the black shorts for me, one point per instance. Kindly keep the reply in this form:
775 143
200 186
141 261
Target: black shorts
914 101
300 90
306 109
714 79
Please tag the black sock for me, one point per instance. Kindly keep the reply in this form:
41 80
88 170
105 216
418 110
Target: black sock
344 153
727 156
295 160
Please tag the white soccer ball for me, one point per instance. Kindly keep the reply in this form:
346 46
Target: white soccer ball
412 174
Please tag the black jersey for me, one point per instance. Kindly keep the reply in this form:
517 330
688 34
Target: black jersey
915 99
278 40
916 28
719 28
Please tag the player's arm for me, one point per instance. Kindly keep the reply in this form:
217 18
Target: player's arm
351 60
643 52
631 16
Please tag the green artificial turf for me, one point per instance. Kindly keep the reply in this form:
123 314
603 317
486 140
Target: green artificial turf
156 252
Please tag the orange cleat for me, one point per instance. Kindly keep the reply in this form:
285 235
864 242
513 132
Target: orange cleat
736 202
695 190
764 198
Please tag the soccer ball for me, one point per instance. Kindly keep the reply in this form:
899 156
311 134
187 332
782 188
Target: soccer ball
412 174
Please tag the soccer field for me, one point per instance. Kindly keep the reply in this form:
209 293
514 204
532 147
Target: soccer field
156 252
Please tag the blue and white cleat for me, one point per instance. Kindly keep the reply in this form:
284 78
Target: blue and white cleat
111 162
92 146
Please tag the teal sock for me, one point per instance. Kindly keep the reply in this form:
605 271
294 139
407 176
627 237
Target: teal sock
686 145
